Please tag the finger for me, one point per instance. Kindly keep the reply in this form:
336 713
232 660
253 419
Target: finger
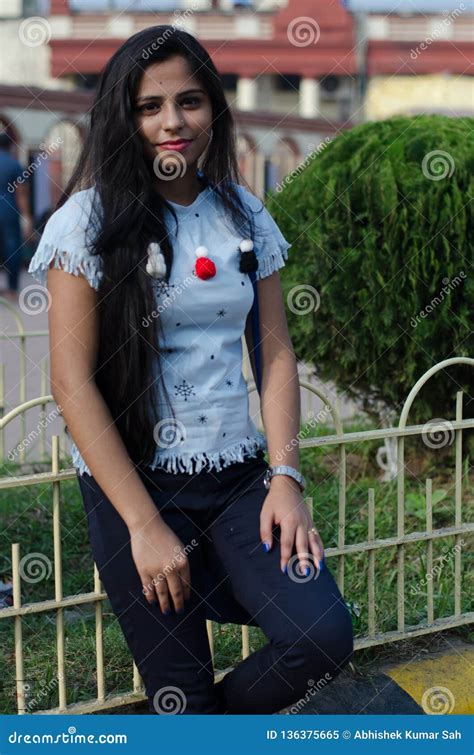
286 544
176 591
148 590
162 594
302 546
317 548
185 576
266 527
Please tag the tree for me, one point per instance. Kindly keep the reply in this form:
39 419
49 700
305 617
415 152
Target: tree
381 226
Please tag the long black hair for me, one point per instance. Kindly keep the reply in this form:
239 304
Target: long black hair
129 215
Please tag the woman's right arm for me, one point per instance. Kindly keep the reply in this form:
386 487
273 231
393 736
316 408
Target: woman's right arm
73 333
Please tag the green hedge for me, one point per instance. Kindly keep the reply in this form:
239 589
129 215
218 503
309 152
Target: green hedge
381 222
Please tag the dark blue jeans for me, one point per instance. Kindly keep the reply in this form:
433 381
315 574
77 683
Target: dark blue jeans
306 621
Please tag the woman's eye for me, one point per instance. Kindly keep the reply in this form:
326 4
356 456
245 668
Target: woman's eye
150 107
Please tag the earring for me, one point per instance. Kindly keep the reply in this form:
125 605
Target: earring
156 264
204 267
248 259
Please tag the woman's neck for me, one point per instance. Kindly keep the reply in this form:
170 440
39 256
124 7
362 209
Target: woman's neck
180 191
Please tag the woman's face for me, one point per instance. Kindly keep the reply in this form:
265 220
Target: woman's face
170 105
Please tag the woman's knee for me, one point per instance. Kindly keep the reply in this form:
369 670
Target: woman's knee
327 644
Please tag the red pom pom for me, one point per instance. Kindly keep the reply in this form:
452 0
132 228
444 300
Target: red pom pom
205 268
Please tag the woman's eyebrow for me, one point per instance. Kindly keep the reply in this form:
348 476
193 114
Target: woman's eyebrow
158 97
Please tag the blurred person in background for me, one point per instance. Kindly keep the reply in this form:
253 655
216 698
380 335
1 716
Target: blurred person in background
16 221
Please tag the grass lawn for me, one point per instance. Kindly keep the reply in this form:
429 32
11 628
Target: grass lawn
26 516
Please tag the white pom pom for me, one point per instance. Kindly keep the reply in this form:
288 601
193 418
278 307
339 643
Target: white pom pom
156 265
201 251
246 245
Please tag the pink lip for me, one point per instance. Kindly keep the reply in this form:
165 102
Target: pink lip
179 145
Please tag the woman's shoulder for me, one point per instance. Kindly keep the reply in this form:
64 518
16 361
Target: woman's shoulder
248 198
271 246
67 238
76 210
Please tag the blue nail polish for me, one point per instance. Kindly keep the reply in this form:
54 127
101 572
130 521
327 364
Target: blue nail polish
285 570
321 565
307 571
265 547
167 613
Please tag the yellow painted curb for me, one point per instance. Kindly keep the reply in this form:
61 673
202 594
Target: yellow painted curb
441 683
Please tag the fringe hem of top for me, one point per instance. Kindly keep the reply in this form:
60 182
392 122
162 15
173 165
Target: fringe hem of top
192 463
272 262
67 261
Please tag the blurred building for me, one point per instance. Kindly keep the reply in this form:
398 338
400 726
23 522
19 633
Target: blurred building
297 72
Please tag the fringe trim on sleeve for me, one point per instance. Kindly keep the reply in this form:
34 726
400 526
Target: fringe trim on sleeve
68 261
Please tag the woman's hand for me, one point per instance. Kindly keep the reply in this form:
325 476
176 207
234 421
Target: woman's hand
162 565
285 506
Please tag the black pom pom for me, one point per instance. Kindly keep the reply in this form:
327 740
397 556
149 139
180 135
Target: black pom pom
248 262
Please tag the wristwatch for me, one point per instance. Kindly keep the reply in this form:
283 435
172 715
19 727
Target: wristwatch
282 469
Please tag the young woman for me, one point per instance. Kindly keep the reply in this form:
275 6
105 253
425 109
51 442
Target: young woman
148 268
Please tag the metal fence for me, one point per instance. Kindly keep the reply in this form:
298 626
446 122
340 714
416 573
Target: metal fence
370 547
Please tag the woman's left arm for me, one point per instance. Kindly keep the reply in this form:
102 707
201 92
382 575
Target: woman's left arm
281 411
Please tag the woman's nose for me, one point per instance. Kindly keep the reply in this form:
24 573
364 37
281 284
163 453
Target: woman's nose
171 117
